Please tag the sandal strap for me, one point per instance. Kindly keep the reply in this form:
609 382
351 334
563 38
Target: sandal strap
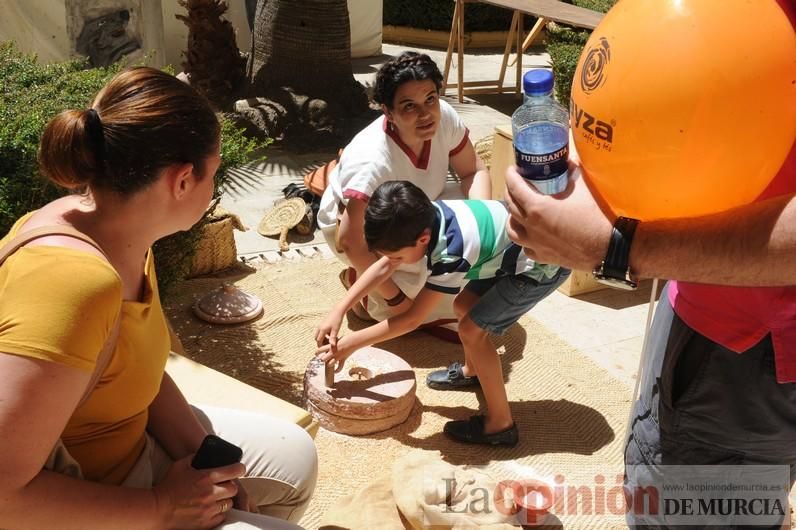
455 370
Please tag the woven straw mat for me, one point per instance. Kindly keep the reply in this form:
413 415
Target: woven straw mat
571 413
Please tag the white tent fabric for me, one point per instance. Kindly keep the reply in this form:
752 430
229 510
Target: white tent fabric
365 17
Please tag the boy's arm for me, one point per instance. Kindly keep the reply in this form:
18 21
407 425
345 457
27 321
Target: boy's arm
375 275
352 241
393 327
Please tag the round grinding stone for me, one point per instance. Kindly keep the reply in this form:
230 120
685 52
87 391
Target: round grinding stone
374 391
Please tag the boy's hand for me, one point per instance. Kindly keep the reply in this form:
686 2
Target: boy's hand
339 353
328 330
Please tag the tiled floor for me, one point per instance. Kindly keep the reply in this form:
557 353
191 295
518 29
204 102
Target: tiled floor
607 325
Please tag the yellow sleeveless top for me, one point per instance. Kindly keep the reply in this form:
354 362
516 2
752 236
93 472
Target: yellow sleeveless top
59 304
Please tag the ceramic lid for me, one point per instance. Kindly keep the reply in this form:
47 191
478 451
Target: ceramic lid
228 305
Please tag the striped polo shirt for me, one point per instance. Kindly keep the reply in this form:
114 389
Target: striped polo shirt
469 242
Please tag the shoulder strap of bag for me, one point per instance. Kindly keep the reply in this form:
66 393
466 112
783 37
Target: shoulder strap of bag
104 357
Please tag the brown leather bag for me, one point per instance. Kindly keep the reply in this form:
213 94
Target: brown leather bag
60 460
317 179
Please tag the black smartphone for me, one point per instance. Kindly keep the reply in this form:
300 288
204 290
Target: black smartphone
216 452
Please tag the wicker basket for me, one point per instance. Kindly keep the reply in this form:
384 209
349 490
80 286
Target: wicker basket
483 148
215 249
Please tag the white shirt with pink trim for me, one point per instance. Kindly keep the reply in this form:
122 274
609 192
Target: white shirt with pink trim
377 155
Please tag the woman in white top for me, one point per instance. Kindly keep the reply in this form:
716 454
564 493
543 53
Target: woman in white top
417 139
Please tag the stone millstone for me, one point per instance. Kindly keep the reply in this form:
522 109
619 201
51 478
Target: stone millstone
374 392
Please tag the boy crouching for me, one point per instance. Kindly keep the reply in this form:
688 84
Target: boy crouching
464 243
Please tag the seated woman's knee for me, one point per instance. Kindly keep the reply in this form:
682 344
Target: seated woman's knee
302 470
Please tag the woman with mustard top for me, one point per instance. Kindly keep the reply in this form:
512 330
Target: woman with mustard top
146 152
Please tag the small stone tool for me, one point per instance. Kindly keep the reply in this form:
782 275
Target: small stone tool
329 373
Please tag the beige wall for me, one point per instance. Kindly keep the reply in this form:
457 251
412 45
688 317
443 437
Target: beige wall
48 27
43 27
37 26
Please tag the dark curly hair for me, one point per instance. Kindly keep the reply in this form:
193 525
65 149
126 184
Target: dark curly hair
397 214
409 66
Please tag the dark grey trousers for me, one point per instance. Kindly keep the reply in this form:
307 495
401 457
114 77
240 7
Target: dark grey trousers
702 404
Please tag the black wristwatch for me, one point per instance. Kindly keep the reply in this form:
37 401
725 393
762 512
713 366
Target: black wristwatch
614 270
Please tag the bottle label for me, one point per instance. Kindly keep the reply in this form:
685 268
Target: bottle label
536 167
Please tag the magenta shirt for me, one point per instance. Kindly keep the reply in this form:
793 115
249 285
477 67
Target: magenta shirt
739 317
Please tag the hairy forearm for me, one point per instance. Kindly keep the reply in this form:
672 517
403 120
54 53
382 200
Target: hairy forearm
52 500
172 422
754 245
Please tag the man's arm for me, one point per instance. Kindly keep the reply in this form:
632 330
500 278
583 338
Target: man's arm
752 245
474 177
424 303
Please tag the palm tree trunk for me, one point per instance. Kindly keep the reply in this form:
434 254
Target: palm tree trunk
301 44
301 84
212 60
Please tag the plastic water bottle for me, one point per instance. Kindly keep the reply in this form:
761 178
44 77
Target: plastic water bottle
541 134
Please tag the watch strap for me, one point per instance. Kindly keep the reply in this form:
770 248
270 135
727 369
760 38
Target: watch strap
617 259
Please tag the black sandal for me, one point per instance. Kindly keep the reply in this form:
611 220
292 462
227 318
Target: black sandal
472 432
450 378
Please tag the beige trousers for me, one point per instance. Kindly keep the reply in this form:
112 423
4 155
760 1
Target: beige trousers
280 459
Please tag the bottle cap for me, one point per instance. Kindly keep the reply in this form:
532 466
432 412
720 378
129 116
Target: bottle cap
537 82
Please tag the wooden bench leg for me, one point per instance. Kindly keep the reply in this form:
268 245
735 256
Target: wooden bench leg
518 83
460 50
541 22
507 50
451 40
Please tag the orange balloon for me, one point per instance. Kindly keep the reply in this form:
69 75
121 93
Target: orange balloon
685 107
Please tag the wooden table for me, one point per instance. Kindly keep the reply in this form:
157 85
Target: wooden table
545 10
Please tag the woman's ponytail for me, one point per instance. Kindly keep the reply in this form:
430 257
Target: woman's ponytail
70 150
141 122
